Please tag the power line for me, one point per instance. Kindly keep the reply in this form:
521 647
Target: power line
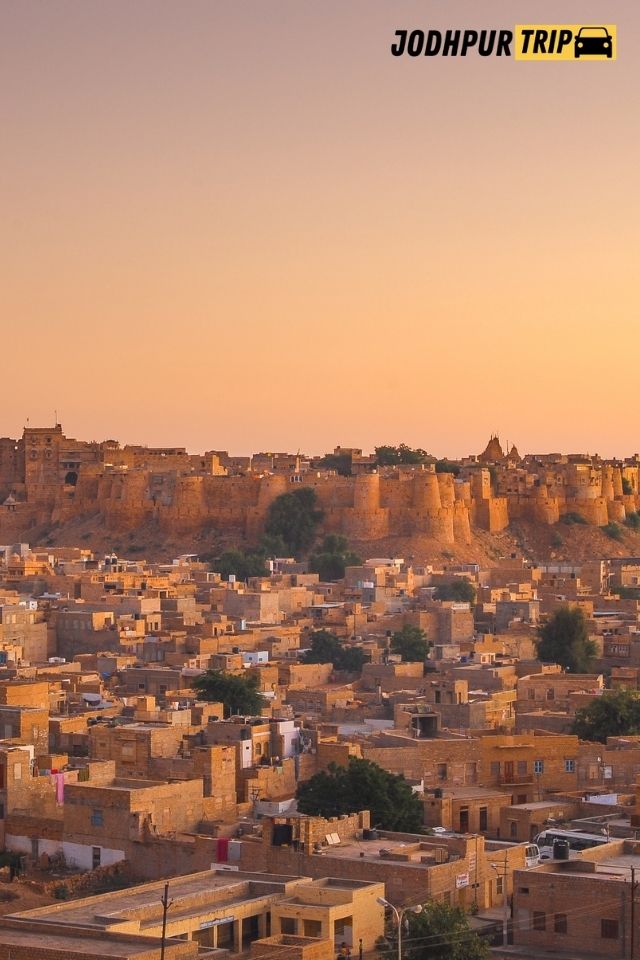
435 940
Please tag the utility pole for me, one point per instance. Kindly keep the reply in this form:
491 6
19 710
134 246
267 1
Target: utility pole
505 903
166 903
632 932
505 899
475 883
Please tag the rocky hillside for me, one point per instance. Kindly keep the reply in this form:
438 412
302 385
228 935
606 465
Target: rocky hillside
533 541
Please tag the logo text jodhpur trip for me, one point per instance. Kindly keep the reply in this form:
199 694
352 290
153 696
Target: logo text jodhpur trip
559 41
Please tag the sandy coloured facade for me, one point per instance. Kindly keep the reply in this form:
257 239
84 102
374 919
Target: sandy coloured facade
46 477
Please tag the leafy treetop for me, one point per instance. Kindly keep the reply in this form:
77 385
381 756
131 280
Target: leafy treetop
242 564
564 639
250 562
460 590
363 785
441 932
615 714
410 643
333 557
327 648
238 694
340 462
294 518
387 456
447 466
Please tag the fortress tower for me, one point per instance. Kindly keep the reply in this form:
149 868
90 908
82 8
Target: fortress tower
41 461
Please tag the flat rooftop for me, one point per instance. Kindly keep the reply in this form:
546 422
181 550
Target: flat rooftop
620 865
616 868
191 895
123 784
542 805
69 946
370 849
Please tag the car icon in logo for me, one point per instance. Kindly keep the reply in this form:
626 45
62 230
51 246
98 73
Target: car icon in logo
593 41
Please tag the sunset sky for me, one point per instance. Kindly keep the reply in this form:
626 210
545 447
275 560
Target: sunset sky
244 225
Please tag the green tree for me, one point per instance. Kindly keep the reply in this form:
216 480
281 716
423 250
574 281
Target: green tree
627 486
333 558
633 520
239 694
460 590
571 518
615 714
272 546
294 518
388 456
564 639
352 659
613 530
251 562
441 932
340 462
410 643
447 466
362 785
240 563
327 648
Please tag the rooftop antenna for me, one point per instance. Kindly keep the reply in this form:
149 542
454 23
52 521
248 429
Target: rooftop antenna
55 416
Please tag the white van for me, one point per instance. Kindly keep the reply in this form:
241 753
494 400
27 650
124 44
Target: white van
531 855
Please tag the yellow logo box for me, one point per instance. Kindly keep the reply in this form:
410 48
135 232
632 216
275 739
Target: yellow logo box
565 41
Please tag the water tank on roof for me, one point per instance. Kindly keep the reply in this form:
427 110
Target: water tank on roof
560 849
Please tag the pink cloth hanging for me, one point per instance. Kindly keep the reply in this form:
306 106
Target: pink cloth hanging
58 780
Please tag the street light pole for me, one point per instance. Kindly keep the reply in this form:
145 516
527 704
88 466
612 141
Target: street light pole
505 901
399 915
166 903
505 905
632 932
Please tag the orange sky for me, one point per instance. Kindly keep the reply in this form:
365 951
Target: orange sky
242 224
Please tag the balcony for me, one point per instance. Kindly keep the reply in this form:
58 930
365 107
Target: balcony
512 778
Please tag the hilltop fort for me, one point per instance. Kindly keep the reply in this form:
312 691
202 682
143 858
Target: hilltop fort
46 477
